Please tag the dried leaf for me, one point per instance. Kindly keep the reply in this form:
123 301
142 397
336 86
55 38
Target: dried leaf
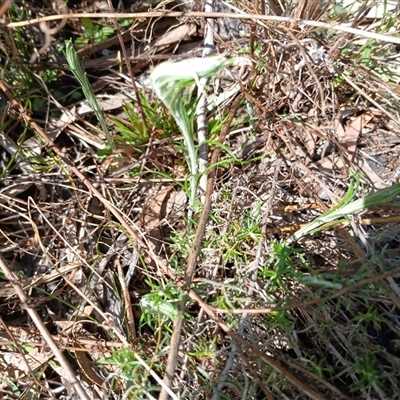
167 203
175 35
353 131
106 103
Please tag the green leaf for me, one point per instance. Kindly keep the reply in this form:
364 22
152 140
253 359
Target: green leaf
76 68
87 23
169 82
371 200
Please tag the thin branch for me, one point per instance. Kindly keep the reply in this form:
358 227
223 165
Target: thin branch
5 6
202 127
177 14
69 372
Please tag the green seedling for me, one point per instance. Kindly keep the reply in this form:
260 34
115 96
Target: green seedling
341 212
76 68
170 82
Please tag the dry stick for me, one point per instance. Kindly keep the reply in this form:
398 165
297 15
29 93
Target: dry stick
69 372
256 17
4 7
129 66
128 309
202 127
191 262
192 259
254 30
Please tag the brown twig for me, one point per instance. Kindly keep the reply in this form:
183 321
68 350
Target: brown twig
256 17
5 6
254 30
127 301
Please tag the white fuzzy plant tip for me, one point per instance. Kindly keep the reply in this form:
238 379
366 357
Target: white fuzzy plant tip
187 71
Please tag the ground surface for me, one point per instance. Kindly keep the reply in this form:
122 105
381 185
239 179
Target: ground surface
294 289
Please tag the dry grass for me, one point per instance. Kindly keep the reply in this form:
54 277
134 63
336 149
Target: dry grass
98 240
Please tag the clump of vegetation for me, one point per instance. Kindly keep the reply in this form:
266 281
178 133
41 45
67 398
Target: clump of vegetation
123 276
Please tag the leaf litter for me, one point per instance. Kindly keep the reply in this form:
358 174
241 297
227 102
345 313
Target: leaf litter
316 120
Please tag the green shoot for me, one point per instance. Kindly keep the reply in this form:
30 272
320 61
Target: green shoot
169 81
77 69
341 213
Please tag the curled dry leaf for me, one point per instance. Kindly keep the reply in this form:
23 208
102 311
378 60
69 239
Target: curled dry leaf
167 204
350 134
175 35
